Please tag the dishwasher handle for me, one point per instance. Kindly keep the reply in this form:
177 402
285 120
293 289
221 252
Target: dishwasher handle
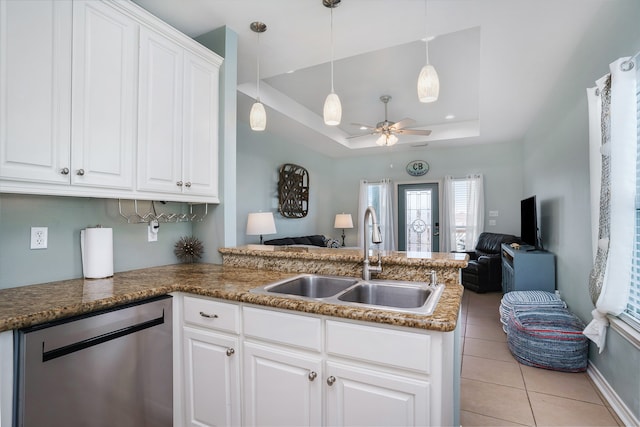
90 342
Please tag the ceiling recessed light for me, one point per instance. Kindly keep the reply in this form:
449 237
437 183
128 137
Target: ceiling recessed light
291 71
430 38
363 128
449 117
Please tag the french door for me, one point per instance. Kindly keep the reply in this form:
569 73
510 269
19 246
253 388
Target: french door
418 221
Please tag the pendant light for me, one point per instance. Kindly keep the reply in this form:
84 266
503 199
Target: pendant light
258 115
332 110
428 82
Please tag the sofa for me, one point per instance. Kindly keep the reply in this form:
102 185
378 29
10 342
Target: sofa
314 240
484 271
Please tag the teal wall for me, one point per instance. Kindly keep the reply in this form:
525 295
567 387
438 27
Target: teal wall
260 155
334 183
65 217
220 229
556 167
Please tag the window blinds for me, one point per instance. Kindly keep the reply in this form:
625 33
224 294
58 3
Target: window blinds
633 305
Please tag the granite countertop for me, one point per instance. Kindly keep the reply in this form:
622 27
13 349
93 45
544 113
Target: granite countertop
34 304
432 259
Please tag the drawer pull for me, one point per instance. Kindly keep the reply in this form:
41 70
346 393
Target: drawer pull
208 316
230 352
331 380
312 376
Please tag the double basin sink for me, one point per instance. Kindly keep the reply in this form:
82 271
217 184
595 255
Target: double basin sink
393 295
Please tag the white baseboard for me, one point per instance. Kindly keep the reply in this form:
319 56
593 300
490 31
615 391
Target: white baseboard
620 408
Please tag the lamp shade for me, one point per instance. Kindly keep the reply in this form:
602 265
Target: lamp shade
332 110
428 84
343 220
258 117
260 223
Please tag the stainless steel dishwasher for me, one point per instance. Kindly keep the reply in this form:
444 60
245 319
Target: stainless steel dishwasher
108 368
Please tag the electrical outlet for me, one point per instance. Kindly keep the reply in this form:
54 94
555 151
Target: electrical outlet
492 222
39 237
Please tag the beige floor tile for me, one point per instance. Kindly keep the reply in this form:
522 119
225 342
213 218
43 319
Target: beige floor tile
497 401
488 349
558 411
492 371
492 321
470 419
482 332
570 385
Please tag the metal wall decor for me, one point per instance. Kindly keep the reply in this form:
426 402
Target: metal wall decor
293 191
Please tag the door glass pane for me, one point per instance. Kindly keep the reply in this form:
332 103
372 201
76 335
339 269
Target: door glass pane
418 220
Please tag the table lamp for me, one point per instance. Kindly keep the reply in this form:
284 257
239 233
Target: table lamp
343 221
260 223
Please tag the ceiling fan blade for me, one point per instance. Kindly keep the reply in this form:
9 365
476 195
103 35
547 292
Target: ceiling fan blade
414 132
360 125
402 124
362 134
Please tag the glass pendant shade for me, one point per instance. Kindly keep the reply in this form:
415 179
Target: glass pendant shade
387 140
428 84
258 117
332 110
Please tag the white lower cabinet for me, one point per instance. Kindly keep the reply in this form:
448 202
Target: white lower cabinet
363 396
311 370
212 379
281 387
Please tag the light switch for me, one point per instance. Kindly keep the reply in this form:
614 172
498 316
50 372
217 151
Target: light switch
493 213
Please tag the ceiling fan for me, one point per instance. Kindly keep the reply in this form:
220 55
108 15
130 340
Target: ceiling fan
388 130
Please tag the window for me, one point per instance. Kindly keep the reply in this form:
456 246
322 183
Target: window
464 212
633 305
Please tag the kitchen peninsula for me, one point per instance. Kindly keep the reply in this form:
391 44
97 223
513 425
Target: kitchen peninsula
414 355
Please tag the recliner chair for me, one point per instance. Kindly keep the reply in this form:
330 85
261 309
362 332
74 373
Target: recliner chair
484 271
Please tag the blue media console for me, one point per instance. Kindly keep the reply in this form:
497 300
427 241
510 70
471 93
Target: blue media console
525 270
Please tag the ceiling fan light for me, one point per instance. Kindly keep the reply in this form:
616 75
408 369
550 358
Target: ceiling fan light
332 110
382 140
392 139
258 117
428 84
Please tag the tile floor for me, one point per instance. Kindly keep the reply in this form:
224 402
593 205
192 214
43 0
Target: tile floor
496 390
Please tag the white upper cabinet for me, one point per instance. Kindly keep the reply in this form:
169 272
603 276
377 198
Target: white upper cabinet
35 90
178 118
105 54
101 99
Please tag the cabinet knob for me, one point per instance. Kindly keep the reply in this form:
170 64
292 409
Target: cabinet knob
331 380
312 376
230 351
179 183
187 184
208 316
64 171
80 172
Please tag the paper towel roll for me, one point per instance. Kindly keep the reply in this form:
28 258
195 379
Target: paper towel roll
96 245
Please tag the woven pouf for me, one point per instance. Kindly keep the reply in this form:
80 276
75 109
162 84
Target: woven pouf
549 338
527 298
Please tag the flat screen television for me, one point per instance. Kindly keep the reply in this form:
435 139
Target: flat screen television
529 221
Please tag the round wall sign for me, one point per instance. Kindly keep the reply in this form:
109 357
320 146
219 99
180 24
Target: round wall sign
417 168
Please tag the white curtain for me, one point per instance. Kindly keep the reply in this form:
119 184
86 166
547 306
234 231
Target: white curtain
384 212
612 107
475 210
448 220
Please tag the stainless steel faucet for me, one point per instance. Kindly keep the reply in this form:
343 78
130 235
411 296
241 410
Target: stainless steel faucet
375 238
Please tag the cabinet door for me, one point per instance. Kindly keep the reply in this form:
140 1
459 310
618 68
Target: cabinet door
212 379
281 387
160 114
200 131
362 396
35 90
105 52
